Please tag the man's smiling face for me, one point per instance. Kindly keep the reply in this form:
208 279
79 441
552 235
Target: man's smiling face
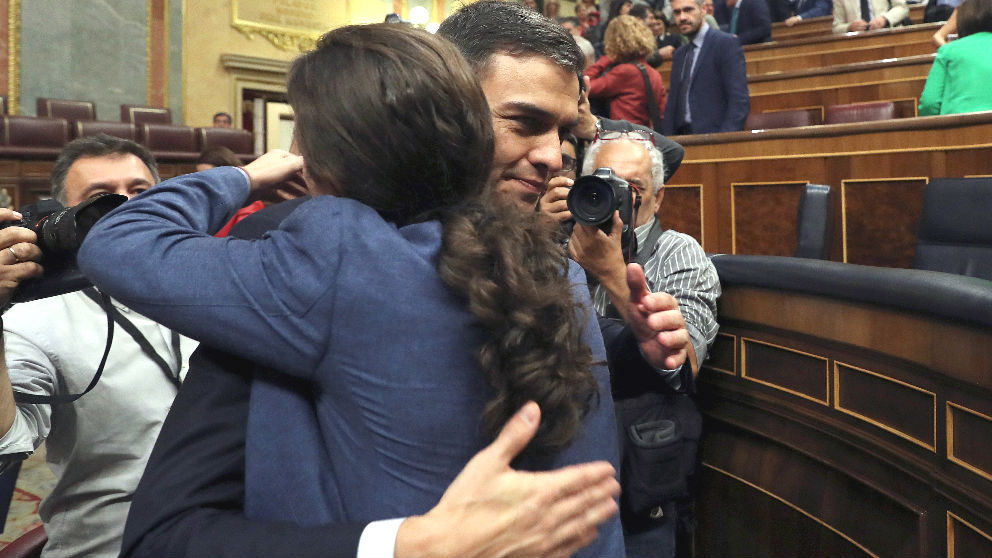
533 102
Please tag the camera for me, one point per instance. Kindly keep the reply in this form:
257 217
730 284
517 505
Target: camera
593 199
60 231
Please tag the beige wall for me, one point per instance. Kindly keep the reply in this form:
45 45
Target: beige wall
209 87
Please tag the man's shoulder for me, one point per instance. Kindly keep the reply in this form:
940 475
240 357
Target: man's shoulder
671 242
721 37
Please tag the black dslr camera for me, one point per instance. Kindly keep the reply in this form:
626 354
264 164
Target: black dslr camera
60 231
593 199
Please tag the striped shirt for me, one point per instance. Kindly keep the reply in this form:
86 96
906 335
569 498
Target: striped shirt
680 268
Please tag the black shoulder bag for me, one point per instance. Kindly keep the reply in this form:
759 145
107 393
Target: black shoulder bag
653 112
659 432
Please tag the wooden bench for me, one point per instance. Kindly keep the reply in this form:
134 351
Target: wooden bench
905 88
848 411
813 27
789 62
842 75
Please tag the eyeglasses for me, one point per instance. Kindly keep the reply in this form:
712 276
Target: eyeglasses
567 163
634 135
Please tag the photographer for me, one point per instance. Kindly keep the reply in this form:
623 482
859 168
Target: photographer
673 263
97 445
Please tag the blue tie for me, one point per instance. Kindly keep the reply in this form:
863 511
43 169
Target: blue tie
733 19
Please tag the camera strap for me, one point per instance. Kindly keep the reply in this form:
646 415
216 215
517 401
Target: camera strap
132 330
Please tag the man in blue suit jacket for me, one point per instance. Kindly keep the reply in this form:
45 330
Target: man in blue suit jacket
708 91
806 9
752 24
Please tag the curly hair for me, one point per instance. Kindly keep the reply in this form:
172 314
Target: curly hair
627 39
514 277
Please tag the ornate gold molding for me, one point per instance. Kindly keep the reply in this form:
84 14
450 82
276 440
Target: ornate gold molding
14 56
284 40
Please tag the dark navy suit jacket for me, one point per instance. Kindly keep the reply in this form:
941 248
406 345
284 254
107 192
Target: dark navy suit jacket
754 20
718 95
813 8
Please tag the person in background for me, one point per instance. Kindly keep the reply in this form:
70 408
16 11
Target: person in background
960 75
551 9
621 77
749 20
223 120
218 156
709 78
708 14
849 15
950 28
806 9
665 42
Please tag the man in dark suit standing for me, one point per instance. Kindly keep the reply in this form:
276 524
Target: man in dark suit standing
749 20
708 91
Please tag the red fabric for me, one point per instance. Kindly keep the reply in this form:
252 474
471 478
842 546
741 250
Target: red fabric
241 214
623 85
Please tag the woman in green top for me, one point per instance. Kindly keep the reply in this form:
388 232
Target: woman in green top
960 78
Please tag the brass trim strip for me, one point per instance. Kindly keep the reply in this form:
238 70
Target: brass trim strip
794 507
826 370
932 445
14 57
950 438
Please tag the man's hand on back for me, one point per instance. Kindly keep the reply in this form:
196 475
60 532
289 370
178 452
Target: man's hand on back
493 510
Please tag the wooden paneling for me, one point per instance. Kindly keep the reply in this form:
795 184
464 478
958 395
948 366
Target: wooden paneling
882 166
881 212
682 210
790 61
816 26
898 407
868 475
965 540
898 36
969 432
764 216
792 371
825 96
844 74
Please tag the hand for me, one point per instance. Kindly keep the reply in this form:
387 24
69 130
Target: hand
878 23
666 52
492 510
789 22
585 129
18 256
857 25
273 168
554 201
656 321
600 255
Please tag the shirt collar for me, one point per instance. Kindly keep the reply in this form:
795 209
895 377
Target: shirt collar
701 36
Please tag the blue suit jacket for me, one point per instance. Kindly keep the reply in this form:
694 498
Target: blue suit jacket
718 95
754 21
813 8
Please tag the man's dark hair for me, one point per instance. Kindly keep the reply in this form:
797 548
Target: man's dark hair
218 156
569 19
974 16
229 119
490 27
99 145
640 11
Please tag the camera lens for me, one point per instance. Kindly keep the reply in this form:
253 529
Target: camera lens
591 201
